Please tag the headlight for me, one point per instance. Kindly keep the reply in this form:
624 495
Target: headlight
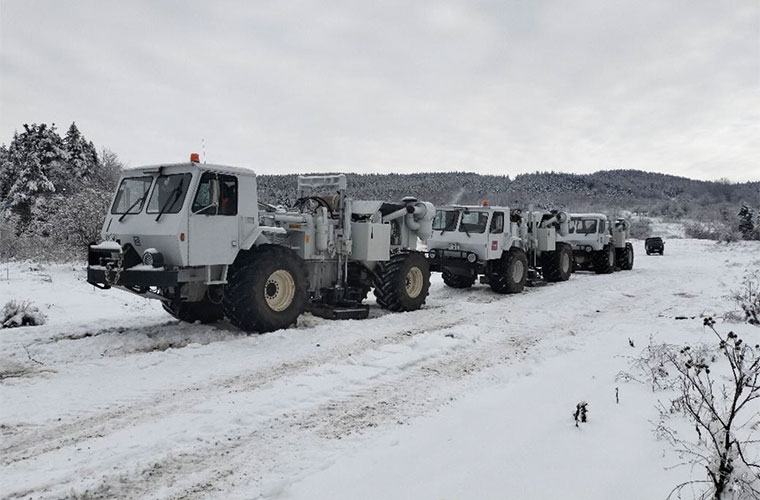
152 257
433 253
471 258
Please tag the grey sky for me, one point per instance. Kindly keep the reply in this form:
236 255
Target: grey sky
487 86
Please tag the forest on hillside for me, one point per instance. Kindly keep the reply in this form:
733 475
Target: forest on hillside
644 193
55 191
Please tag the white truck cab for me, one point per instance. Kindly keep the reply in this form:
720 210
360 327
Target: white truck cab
598 245
502 246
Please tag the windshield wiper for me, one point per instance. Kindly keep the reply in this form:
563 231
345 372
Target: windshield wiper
176 192
137 202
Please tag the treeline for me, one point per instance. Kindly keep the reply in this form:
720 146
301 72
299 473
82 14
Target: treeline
54 192
642 192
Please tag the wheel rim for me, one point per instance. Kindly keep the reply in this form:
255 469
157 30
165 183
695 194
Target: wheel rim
565 263
279 290
517 271
413 282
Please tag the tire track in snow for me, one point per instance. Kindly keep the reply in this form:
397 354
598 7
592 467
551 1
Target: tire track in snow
215 468
31 443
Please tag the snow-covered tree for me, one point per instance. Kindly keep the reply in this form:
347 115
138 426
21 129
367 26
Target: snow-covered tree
746 222
34 154
106 175
5 174
83 158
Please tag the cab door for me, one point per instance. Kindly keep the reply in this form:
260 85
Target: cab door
496 239
213 230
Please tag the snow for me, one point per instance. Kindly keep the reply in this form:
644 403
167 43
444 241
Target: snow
107 245
470 397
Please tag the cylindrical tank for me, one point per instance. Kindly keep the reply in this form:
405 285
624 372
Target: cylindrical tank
420 220
321 228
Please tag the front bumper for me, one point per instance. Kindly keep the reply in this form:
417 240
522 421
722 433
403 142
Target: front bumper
440 258
103 277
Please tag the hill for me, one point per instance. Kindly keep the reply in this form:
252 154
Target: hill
647 192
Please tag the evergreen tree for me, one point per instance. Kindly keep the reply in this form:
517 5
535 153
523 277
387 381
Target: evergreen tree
746 223
5 175
34 155
83 158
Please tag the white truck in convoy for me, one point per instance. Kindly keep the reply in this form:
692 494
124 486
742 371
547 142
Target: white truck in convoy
598 245
195 237
501 246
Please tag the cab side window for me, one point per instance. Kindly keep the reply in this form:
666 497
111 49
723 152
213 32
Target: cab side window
228 195
497 223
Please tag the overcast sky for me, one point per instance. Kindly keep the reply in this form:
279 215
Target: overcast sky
499 87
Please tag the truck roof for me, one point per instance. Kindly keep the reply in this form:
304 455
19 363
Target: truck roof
471 207
590 216
199 166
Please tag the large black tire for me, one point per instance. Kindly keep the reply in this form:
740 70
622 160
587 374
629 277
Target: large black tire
604 260
511 272
266 289
457 280
204 311
402 283
558 265
624 257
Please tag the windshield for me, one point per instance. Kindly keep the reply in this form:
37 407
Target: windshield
474 222
583 226
169 193
131 195
445 220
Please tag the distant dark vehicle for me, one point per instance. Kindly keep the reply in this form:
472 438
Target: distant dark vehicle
654 245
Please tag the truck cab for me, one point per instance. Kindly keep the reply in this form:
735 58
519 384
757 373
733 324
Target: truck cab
597 244
484 231
468 242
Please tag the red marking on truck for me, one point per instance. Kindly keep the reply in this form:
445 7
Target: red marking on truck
494 245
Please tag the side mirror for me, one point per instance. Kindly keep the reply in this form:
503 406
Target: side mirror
215 192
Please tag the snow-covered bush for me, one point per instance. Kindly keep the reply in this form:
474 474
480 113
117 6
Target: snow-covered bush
717 390
641 228
748 298
701 230
22 313
716 231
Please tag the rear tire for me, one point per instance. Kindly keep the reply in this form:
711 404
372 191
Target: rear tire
457 280
558 265
511 272
204 311
627 263
604 260
266 289
402 283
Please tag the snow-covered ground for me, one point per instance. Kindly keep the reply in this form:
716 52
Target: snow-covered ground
470 397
